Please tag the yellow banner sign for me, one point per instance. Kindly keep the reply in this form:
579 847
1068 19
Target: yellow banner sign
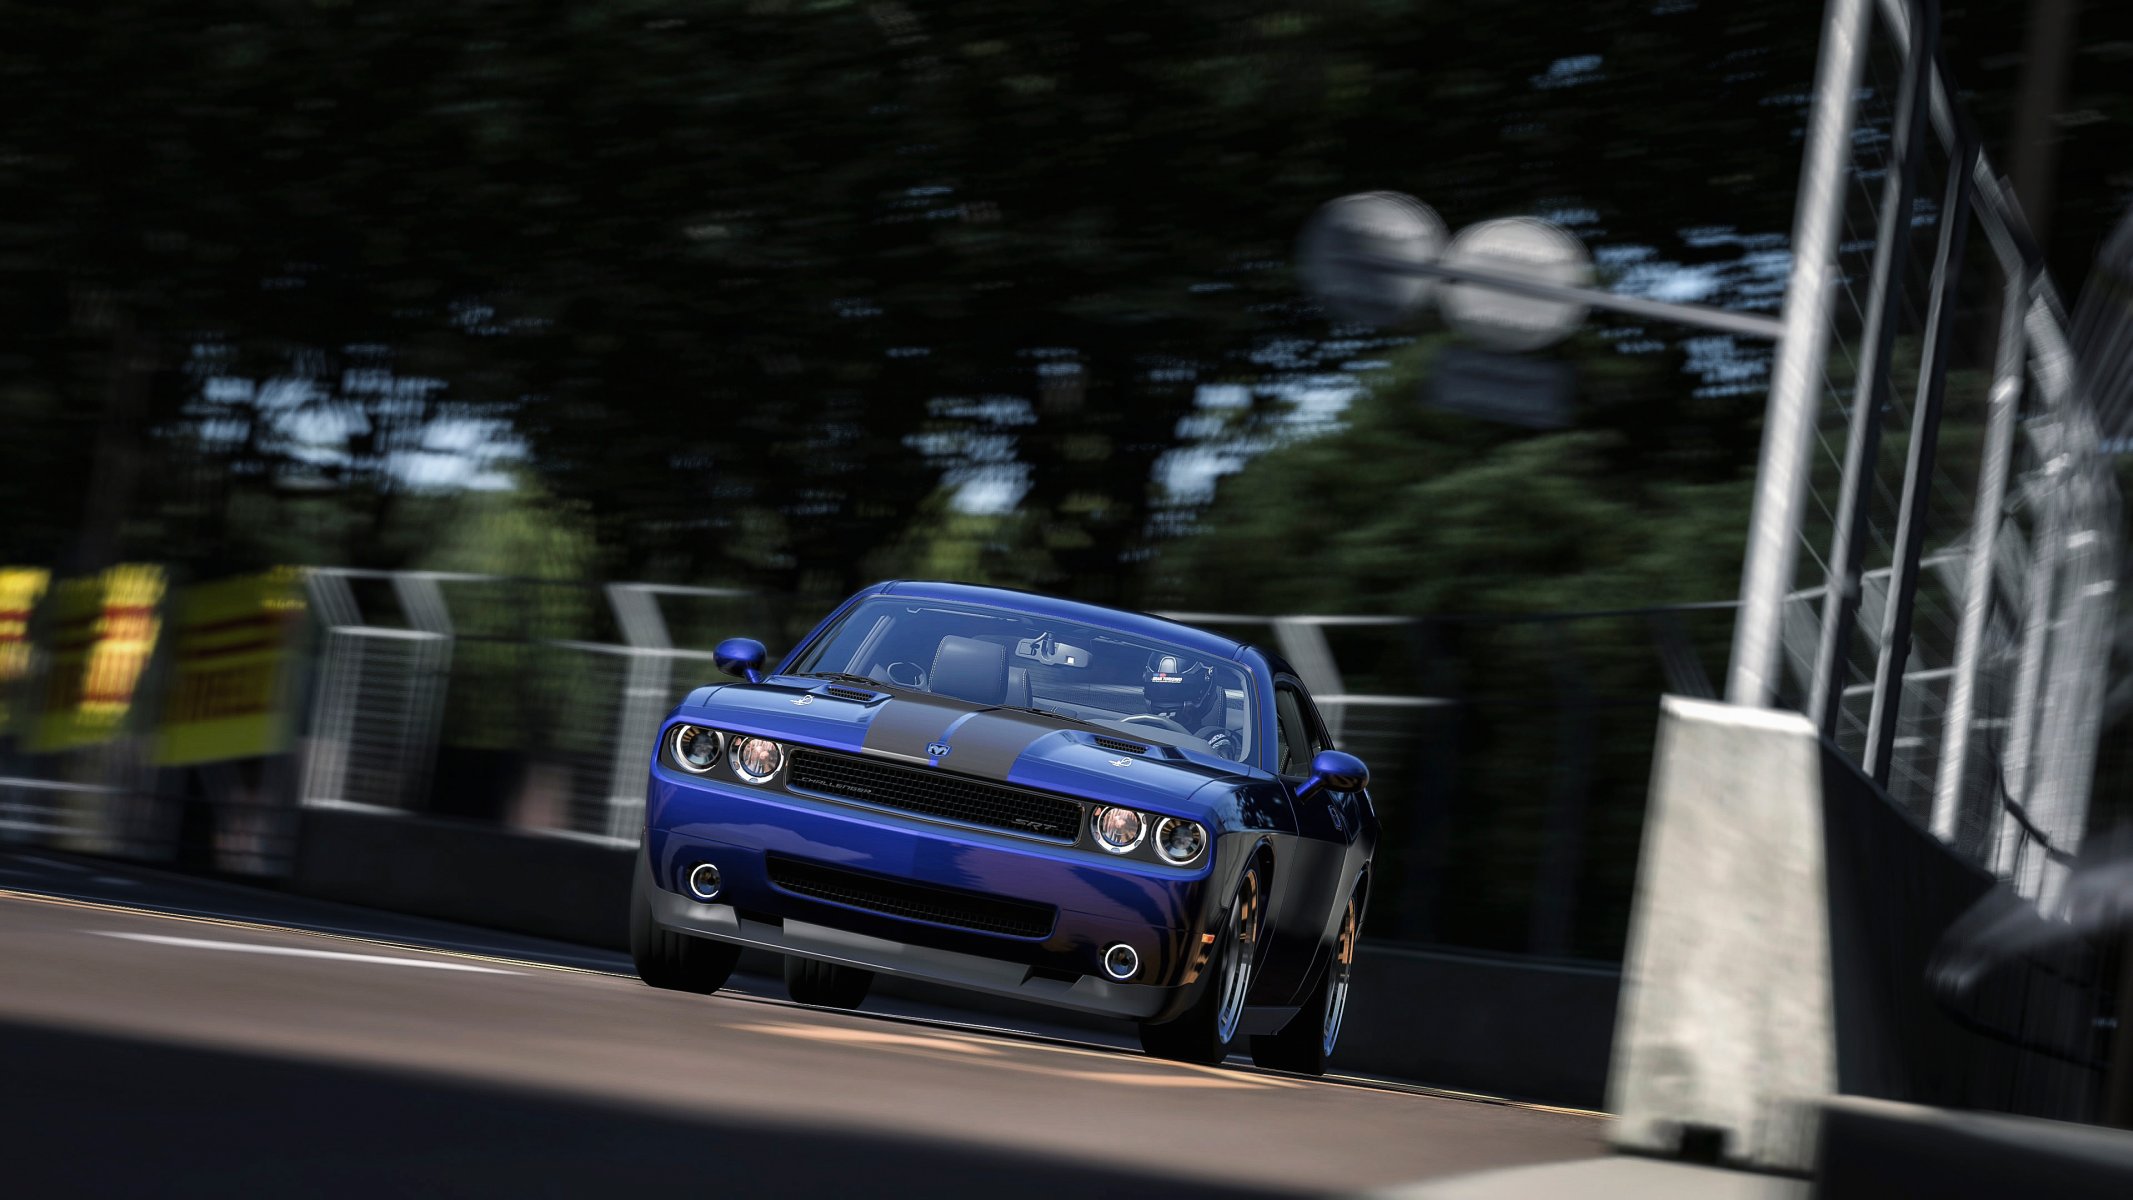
225 697
103 629
20 590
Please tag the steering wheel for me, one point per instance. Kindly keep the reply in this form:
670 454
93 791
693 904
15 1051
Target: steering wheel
906 675
1157 720
1223 742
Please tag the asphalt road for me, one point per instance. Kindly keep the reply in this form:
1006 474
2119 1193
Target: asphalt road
159 1035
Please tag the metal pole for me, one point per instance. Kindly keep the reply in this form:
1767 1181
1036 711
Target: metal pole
1695 316
2005 405
1796 376
1918 468
2046 536
1840 598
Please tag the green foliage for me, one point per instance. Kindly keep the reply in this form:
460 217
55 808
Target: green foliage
1405 510
1402 509
751 279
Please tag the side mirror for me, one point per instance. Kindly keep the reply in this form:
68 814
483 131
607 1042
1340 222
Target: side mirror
1337 770
741 657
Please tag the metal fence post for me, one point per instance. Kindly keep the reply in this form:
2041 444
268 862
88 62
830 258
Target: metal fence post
1918 468
2002 410
2020 757
1840 599
1795 386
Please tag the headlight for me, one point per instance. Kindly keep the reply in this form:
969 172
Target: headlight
1179 841
696 748
1118 829
756 759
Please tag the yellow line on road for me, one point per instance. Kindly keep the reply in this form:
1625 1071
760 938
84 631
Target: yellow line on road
1152 1072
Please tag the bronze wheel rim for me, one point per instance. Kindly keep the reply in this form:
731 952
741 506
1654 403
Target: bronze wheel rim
1237 963
1342 967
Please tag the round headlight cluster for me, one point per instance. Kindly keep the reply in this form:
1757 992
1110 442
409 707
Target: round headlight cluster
1177 841
696 748
756 759
1118 829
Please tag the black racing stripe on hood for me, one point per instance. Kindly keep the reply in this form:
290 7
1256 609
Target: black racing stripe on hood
981 742
906 725
988 744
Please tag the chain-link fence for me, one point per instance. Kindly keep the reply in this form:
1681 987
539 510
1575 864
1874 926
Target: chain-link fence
526 702
1952 521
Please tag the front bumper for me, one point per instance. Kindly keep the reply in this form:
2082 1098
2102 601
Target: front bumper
1160 911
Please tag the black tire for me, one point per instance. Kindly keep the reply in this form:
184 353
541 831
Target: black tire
1203 1033
826 985
1307 1041
675 961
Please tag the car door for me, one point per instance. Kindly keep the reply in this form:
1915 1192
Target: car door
1317 860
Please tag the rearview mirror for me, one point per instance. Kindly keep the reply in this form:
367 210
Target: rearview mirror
741 657
1051 652
1337 770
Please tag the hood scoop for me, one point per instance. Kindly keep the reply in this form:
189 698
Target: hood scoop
1111 743
851 693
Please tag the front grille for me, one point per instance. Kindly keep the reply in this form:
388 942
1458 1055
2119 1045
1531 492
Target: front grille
918 902
934 793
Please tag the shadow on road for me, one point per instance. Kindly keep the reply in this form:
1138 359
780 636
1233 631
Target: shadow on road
98 1115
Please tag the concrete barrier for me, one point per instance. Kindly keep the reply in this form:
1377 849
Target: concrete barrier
1780 937
1496 1024
479 874
1876 1150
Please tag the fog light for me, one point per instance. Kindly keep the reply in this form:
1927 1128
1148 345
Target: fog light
1122 962
703 881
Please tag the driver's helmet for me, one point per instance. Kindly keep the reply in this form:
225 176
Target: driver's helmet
1182 691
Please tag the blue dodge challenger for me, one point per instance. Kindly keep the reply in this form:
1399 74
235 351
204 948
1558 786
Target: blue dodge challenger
1077 806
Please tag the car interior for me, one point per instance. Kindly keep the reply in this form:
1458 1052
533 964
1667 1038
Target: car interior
1143 690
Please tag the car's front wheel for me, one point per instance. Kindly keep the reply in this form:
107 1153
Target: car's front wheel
1203 1033
676 961
1307 1041
827 985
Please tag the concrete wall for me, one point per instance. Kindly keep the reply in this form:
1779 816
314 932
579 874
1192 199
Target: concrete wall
561 888
1785 918
1501 1025
1875 1149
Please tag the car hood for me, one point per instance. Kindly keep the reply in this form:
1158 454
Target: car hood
1034 750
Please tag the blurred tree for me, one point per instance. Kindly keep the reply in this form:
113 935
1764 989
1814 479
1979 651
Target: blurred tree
753 281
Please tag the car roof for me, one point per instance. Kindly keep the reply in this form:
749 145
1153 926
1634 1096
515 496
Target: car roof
1135 624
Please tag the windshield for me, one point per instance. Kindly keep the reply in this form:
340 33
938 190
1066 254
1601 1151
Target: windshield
1149 690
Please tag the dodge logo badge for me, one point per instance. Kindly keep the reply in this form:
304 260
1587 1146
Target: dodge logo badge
938 749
